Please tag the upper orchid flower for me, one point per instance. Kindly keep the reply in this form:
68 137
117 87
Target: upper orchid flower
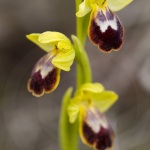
105 28
60 55
89 104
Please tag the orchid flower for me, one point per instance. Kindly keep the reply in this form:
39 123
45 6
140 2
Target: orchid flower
105 28
45 75
88 105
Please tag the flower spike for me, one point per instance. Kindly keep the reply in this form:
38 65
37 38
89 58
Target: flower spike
46 73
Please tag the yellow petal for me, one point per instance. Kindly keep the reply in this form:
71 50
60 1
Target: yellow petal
64 52
91 88
84 8
64 60
64 46
116 5
73 111
34 38
52 37
104 100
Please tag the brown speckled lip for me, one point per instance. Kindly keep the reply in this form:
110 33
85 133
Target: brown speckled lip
110 39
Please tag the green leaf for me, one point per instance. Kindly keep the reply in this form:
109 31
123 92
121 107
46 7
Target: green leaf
68 132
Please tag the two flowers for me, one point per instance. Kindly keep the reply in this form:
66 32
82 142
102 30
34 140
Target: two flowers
105 30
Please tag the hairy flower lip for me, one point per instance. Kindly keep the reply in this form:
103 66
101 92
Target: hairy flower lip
44 77
106 30
96 131
38 86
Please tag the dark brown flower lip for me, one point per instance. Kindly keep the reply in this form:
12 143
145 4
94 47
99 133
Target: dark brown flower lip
106 30
97 131
44 78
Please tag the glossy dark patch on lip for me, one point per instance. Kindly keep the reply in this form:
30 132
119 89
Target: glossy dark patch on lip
101 140
110 39
38 85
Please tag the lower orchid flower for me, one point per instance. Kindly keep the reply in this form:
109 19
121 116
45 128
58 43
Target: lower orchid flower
46 72
88 105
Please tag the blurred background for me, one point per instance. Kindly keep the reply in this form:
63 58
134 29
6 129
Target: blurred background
29 123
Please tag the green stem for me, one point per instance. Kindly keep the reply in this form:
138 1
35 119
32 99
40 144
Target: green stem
84 70
83 65
69 132
79 22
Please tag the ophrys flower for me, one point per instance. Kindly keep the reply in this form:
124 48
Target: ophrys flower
46 72
105 28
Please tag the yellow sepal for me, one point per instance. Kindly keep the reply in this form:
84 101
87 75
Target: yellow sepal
33 37
91 88
53 37
104 100
116 5
84 8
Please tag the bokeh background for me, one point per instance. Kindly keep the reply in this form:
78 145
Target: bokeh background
28 123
